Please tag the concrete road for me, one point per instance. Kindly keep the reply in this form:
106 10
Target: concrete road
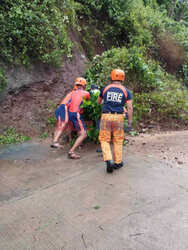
50 202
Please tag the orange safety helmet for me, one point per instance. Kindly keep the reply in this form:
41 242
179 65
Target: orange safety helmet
80 81
118 74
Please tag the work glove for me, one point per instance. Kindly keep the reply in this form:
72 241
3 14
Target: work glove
128 127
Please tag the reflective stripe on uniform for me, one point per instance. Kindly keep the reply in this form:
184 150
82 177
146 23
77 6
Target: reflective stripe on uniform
80 122
111 124
115 86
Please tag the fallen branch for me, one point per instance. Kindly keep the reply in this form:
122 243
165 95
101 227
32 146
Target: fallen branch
130 214
100 227
107 183
135 234
84 240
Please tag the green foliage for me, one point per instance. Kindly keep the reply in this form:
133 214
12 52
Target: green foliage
140 20
10 135
3 80
87 39
169 103
137 23
155 93
134 133
43 135
93 134
185 74
39 29
124 20
51 120
141 72
73 140
141 106
101 67
92 113
36 29
172 102
178 30
181 12
148 72
165 3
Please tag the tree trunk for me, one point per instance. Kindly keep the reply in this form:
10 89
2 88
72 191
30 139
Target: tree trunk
171 9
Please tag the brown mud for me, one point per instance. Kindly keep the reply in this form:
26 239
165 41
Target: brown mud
170 148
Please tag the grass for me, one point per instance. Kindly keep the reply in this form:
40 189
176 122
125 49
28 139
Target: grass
43 135
10 135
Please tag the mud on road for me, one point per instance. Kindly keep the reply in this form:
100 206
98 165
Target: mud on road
170 148
50 202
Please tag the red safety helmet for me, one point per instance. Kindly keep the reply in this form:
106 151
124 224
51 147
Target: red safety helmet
118 74
80 81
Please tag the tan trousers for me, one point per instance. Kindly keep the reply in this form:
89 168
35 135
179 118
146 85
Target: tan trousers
111 124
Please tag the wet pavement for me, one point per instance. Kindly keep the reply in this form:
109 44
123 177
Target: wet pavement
48 201
24 151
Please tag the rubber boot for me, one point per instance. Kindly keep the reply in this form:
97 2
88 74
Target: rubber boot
118 165
109 166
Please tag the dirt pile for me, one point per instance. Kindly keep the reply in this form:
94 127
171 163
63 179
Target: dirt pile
29 107
168 147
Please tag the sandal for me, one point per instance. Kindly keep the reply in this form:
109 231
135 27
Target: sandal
56 145
74 156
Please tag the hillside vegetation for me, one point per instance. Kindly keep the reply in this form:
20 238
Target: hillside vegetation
148 40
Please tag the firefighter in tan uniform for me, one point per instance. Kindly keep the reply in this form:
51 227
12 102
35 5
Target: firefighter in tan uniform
114 97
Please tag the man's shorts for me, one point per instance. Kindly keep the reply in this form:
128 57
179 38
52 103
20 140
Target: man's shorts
61 113
77 121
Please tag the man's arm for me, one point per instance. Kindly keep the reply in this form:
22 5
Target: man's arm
99 100
66 99
129 110
87 96
100 97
